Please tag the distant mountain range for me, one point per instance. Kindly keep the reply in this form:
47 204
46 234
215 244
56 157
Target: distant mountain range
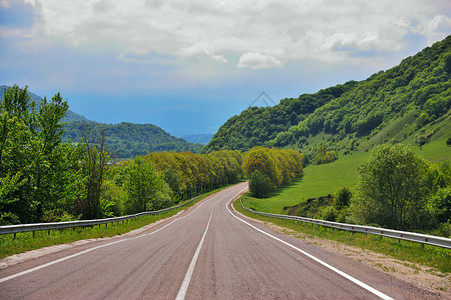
198 138
408 103
124 140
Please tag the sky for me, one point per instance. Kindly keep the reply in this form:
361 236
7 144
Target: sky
188 66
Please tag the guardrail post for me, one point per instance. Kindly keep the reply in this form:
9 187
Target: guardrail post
14 236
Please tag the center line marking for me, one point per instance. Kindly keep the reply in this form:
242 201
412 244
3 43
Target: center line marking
182 292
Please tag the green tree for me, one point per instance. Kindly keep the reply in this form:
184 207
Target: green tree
259 185
141 184
44 170
342 197
393 188
94 169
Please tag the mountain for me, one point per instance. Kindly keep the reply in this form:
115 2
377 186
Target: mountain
127 140
124 140
408 102
198 138
70 115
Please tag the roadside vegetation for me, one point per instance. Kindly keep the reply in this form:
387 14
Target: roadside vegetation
393 187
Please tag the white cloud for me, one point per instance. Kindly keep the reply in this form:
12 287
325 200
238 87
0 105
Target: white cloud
257 60
4 3
264 33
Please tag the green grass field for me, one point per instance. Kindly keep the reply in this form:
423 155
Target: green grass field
321 180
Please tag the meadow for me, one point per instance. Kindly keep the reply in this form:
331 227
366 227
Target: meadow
325 179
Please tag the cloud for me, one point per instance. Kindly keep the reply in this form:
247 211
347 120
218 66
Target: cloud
261 33
4 3
255 60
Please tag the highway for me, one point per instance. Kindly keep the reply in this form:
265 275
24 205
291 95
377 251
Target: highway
207 252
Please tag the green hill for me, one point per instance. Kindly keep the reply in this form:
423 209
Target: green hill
408 103
127 140
124 140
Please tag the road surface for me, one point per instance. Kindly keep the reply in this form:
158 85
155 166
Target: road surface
207 252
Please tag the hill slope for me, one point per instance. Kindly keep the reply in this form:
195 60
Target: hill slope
127 140
390 106
124 140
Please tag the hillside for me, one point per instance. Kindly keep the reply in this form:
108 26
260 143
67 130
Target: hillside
124 140
390 106
127 140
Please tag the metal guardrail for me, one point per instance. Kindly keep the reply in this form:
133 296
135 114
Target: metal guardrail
400 235
83 223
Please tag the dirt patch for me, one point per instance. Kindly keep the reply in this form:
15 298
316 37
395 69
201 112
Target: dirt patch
425 277
309 208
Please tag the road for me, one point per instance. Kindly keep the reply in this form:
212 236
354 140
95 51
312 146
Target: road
207 252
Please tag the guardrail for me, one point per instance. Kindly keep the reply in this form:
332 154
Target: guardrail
9 229
400 235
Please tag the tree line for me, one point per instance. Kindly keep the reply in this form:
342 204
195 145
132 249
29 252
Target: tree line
267 169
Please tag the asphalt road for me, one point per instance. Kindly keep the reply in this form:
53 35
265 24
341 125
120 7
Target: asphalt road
207 252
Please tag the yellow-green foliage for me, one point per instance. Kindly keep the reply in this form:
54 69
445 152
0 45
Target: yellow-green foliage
324 156
279 167
199 171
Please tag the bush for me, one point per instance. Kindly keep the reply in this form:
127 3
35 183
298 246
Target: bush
259 185
342 197
328 213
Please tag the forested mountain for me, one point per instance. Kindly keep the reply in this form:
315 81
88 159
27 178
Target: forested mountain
389 106
124 140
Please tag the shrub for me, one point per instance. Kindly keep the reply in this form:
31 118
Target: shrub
259 185
342 197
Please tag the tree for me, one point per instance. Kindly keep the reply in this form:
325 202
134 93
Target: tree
43 170
259 185
94 168
393 188
342 197
141 184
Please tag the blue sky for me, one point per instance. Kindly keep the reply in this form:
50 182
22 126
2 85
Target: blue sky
188 66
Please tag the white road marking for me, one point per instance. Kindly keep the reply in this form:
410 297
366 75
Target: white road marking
91 249
185 284
349 277
184 287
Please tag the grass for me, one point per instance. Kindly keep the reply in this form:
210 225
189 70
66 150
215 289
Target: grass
434 257
26 242
318 180
321 180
